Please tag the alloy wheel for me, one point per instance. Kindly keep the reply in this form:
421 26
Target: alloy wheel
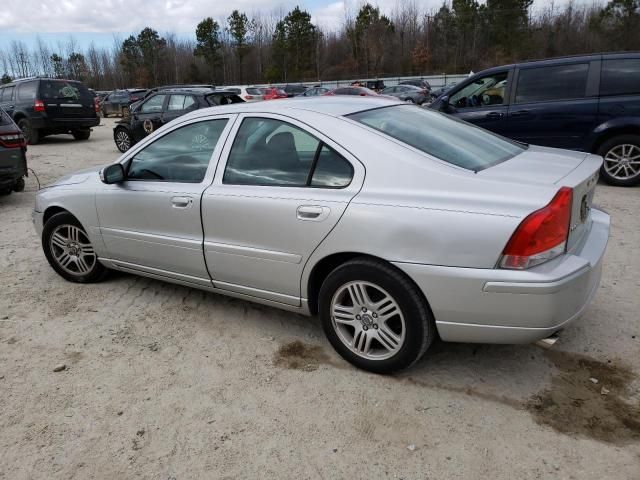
72 250
368 320
123 142
623 161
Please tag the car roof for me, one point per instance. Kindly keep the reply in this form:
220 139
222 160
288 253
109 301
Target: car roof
332 106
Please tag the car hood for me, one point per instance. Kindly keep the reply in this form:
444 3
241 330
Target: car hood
536 166
76 177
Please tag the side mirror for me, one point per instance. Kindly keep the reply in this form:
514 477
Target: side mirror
112 174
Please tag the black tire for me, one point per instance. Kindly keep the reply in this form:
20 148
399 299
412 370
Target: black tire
5 191
31 135
606 171
104 113
409 100
95 273
19 185
123 139
83 134
419 324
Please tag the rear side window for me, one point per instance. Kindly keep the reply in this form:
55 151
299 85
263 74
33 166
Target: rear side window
270 152
253 91
27 91
61 89
7 94
561 82
620 77
440 136
181 102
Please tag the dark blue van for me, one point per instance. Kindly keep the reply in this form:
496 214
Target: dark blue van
589 103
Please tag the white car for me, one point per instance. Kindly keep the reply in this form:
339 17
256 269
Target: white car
248 94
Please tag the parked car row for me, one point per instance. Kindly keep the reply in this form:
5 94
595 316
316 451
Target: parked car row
589 103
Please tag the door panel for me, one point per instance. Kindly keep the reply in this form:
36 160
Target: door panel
156 223
259 237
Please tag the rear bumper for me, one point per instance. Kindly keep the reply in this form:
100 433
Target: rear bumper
13 166
507 306
64 123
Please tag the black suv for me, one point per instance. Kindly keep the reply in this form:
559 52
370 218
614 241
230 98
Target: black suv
163 106
13 159
47 106
589 103
119 102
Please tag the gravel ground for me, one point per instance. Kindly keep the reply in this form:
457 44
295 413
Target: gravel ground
166 382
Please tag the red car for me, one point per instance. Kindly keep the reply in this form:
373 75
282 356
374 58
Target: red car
271 93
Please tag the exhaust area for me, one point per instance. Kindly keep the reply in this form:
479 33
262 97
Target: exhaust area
547 343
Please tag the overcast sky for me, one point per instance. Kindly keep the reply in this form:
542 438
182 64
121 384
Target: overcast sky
102 21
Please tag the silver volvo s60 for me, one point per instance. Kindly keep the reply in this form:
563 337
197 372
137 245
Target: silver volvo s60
392 223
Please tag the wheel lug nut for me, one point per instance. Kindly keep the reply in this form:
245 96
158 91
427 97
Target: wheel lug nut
375 326
364 309
365 328
375 315
357 317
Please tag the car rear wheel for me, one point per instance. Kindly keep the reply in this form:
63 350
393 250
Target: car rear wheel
69 251
409 100
19 185
374 316
31 135
82 134
123 139
621 166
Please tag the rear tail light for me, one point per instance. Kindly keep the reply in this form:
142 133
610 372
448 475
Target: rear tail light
38 106
96 104
248 97
542 235
13 140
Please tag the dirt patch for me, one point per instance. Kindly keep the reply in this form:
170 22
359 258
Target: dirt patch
588 398
300 356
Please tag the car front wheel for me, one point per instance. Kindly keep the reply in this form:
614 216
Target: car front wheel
374 316
31 134
69 250
123 139
621 166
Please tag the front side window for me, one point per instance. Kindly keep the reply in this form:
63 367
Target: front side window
483 92
442 136
275 153
620 77
153 105
561 82
182 155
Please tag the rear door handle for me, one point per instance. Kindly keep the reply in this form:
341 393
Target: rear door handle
494 115
521 113
181 202
312 213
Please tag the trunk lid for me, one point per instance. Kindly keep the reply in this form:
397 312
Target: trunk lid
556 168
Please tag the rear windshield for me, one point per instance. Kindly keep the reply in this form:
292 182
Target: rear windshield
441 136
62 89
222 98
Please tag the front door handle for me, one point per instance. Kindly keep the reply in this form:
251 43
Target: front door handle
494 115
313 213
181 202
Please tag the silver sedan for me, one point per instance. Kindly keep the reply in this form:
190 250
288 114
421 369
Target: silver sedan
394 224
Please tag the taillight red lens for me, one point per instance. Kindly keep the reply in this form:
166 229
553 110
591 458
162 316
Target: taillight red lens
13 140
38 106
96 104
542 235
248 97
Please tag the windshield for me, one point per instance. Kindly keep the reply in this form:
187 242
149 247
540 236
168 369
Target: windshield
441 136
62 89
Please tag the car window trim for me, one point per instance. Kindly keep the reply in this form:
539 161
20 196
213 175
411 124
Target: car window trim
588 88
506 100
209 176
348 156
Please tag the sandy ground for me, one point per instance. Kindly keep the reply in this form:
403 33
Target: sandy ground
165 382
